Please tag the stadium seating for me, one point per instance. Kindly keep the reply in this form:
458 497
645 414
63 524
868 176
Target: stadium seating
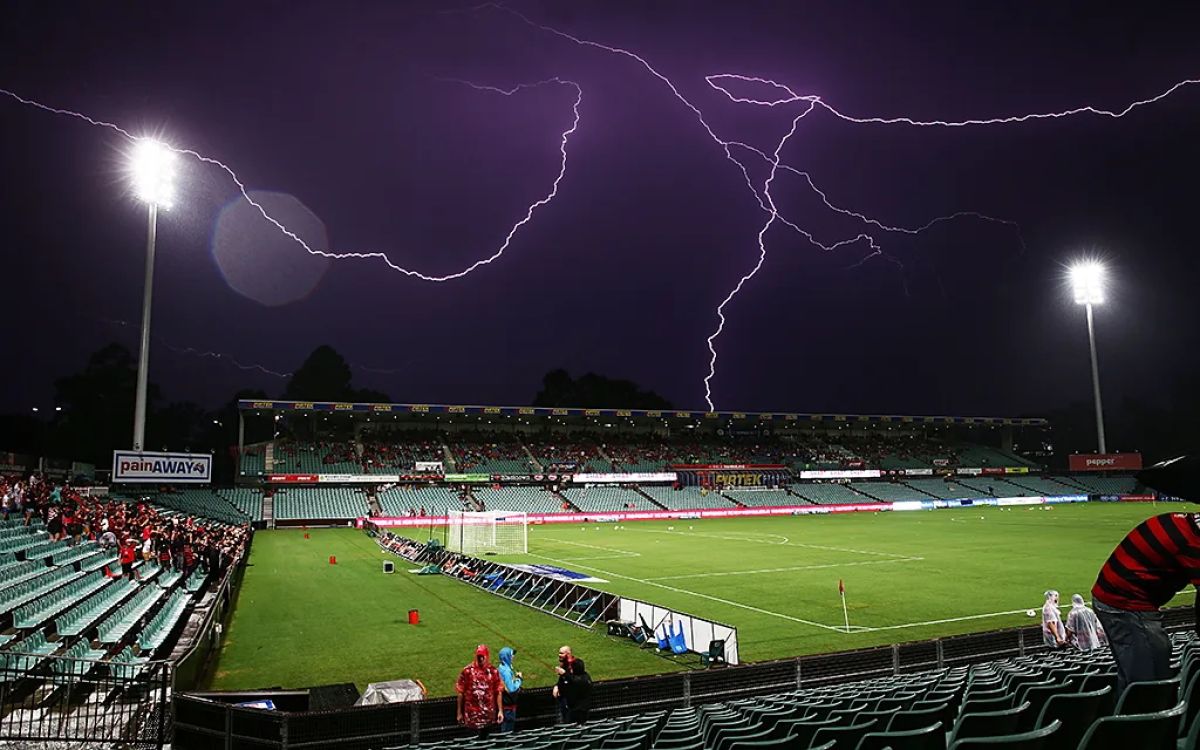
206 502
1044 486
316 458
557 453
765 498
829 494
602 498
1098 485
1042 700
889 491
942 489
522 499
81 616
687 498
252 462
248 501
113 628
312 503
490 453
159 628
52 602
405 499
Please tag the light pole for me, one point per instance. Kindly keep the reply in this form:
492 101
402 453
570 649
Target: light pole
153 184
1087 283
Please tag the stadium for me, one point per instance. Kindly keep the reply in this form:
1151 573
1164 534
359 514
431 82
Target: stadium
581 375
689 557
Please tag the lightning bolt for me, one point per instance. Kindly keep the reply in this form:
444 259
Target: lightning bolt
495 255
792 96
766 201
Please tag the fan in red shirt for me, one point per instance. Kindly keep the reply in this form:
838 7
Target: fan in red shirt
478 689
1152 564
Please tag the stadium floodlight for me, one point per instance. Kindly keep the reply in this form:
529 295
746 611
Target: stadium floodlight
153 168
152 165
1087 284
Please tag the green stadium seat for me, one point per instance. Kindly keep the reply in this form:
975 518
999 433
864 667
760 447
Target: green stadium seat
986 724
1148 697
1037 739
932 737
844 736
1153 731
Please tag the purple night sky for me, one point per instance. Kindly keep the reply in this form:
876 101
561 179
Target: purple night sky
350 123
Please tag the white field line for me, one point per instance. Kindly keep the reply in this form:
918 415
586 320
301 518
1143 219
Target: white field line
785 542
698 595
614 552
784 570
964 618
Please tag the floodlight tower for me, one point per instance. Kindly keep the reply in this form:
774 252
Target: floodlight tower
1087 283
153 170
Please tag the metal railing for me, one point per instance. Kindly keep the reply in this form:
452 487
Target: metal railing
48 699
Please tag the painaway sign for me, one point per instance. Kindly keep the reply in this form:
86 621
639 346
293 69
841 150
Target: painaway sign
153 467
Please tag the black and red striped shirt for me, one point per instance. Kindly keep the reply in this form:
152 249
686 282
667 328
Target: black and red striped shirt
1153 563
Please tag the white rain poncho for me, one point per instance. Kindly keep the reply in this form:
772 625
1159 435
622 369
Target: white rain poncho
1086 631
1052 624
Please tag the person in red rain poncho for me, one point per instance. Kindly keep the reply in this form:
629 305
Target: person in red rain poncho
478 689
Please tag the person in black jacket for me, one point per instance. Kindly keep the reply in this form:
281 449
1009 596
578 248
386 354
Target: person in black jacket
577 689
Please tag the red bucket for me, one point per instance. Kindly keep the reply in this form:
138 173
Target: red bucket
414 617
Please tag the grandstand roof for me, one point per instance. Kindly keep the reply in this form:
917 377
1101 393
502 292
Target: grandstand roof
541 411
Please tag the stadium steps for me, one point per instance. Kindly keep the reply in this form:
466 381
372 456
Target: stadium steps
533 459
269 458
657 504
448 460
562 497
732 499
373 502
268 510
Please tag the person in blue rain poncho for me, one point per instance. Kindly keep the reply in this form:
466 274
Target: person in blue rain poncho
511 688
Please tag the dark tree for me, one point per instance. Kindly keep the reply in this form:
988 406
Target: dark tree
97 407
324 376
592 391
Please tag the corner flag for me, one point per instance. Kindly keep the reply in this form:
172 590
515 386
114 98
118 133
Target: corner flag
845 612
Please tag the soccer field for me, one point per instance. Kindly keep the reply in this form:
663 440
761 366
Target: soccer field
300 621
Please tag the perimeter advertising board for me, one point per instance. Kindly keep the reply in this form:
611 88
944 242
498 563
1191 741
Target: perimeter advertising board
153 467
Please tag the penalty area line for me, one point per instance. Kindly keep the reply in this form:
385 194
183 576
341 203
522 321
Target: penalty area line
784 570
728 602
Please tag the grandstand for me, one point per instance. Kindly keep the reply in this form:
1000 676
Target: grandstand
602 498
1064 699
308 503
686 498
406 500
765 498
518 498
829 493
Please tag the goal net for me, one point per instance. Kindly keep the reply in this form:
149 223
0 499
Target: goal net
501 532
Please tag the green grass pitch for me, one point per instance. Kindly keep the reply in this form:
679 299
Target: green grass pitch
300 621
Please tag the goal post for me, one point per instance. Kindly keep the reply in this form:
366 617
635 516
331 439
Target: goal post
493 531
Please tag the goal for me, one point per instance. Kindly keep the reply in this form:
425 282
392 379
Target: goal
502 532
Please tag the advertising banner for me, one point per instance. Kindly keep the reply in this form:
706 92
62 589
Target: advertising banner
292 478
968 471
152 467
645 476
1016 469
1105 462
432 467
469 478
358 478
728 467
840 474
916 472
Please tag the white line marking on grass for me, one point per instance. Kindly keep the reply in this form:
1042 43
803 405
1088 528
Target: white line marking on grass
618 552
784 570
838 628
964 618
784 543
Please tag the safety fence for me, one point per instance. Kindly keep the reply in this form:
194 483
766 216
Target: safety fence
47 699
211 721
